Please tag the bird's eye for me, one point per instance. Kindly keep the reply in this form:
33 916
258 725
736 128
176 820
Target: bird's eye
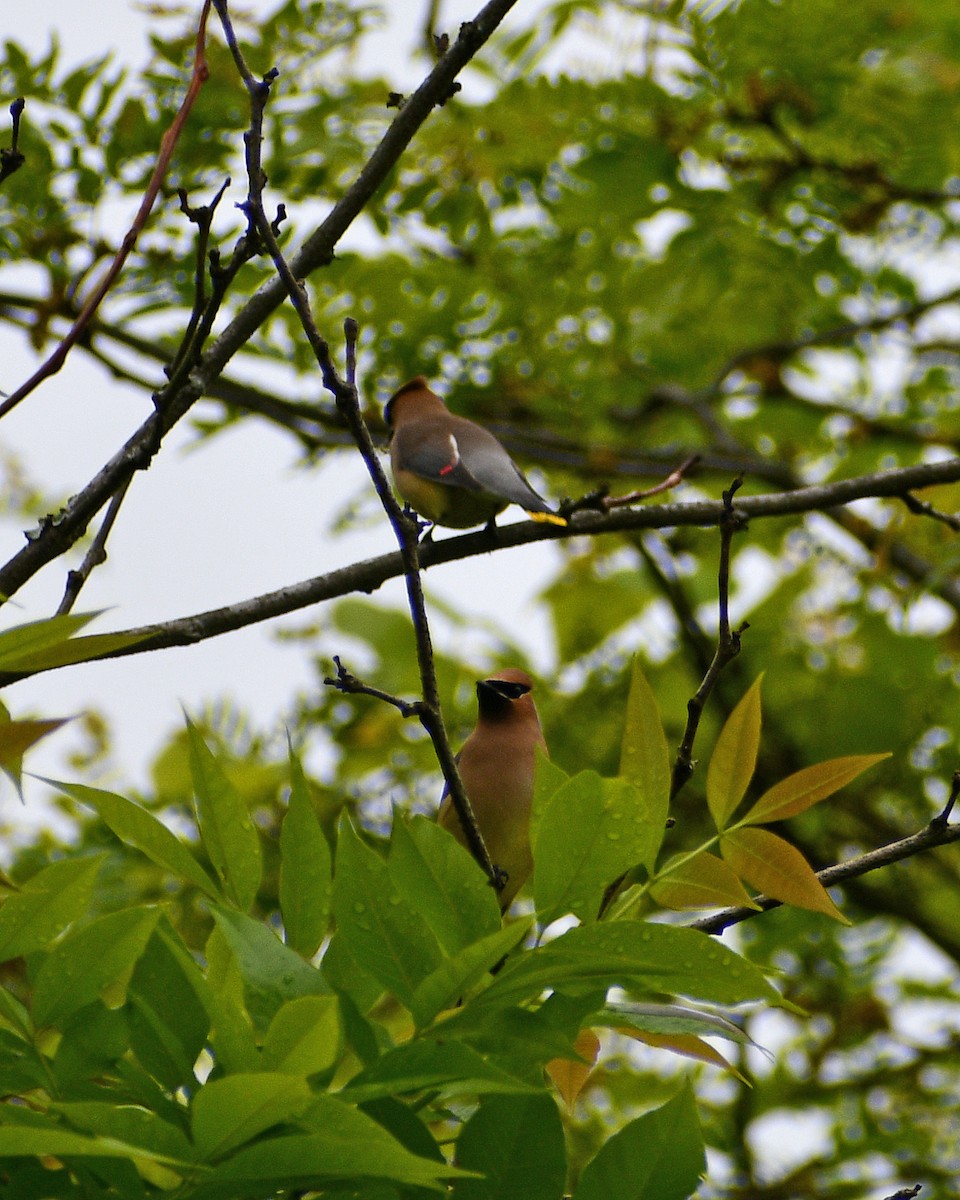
512 691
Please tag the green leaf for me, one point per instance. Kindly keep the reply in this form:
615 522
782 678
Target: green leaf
137 827
348 1145
134 1125
456 975
592 831
70 653
272 973
548 780
401 1122
734 757
387 936
19 1142
346 976
78 969
587 609
226 1113
645 957
47 904
93 1040
228 832
169 1009
304 1036
306 869
445 1066
516 1143
14 1014
644 753
232 1035
659 1156
805 788
439 878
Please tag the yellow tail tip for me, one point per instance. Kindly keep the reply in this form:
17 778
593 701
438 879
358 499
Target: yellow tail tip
548 518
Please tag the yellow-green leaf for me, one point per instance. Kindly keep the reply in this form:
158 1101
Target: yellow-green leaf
306 869
734 757
226 827
570 1074
808 787
703 881
16 737
685 1044
777 869
549 778
644 754
22 642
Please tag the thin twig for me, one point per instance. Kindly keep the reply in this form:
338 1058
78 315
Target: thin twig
839 334
202 217
345 681
728 644
12 158
944 817
406 528
728 647
167 145
97 553
921 508
675 478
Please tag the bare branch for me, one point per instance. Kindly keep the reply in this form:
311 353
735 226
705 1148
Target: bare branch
345 681
921 508
370 574
97 553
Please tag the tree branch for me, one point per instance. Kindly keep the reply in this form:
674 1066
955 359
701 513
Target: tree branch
406 527
58 534
728 644
96 555
372 573
937 833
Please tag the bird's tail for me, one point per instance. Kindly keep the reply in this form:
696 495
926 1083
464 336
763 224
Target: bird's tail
548 517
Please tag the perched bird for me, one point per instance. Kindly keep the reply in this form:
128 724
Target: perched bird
497 765
450 470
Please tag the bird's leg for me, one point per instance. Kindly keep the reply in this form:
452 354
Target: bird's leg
490 529
420 523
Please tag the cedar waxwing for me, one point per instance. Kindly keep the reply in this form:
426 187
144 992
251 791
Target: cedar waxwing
497 765
450 470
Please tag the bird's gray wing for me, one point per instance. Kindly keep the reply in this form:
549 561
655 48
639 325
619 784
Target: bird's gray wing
433 455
